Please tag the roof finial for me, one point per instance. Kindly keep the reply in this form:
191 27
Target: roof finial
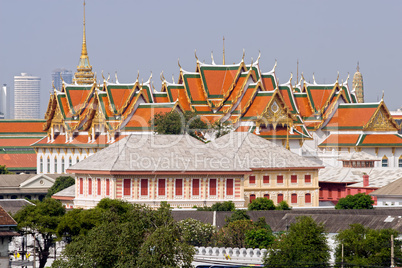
115 76
84 51
212 57
314 79
276 63
358 68
104 80
337 78
162 77
259 56
195 54
347 78
173 79
178 63
223 61
297 77
291 77
382 98
138 75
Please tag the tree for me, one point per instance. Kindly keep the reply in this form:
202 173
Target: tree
197 233
261 236
61 183
304 245
222 128
357 201
239 214
367 247
4 170
283 205
234 234
261 203
219 206
41 221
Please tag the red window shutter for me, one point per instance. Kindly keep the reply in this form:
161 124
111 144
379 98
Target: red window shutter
212 187
229 187
89 186
251 179
265 179
252 198
81 186
307 198
307 178
266 196
280 198
144 187
127 186
279 179
99 186
161 187
196 186
294 198
179 186
293 179
107 187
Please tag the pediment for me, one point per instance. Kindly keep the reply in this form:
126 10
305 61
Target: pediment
38 181
381 121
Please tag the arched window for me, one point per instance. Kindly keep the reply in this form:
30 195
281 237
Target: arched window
280 198
307 198
252 198
78 159
55 164
41 165
266 196
384 161
294 198
400 161
48 164
70 162
62 165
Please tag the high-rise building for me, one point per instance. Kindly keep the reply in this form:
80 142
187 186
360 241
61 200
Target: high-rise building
4 102
26 97
59 74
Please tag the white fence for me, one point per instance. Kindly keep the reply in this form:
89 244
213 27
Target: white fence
229 255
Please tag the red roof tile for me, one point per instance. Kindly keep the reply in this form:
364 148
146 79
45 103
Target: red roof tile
22 127
18 160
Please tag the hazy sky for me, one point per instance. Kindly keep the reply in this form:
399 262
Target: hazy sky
126 36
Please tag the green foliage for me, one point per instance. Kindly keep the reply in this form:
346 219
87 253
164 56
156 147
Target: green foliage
176 123
367 247
78 222
127 235
283 205
219 206
222 128
357 201
42 221
196 233
259 238
4 170
237 215
61 183
234 234
305 245
261 203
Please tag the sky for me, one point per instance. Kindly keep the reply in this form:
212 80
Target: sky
127 36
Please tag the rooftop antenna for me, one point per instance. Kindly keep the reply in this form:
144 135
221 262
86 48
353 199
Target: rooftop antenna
223 61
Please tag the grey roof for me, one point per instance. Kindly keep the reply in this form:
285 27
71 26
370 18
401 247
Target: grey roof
232 152
392 189
69 192
359 156
15 180
13 205
378 176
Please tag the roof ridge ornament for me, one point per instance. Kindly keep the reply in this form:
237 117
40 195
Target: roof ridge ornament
290 79
195 54
244 54
162 77
104 80
212 58
153 87
115 76
382 98
314 80
259 56
138 76
178 63
276 64
173 79
358 67
223 60
347 78
337 78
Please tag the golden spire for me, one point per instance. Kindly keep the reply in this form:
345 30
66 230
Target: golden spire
223 51
84 51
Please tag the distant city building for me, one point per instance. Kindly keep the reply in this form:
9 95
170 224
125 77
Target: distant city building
5 103
57 76
26 97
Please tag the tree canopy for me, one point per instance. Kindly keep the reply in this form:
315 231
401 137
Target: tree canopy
304 245
219 206
357 201
61 183
4 170
261 203
367 247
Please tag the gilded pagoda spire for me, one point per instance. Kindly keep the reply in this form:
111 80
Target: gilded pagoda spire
358 85
84 74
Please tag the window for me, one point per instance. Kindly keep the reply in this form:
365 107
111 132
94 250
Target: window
265 179
279 179
107 187
400 161
252 198
293 179
321 193
41 164
55 165
294 198
196 186
89 186
81 186
48 164
329 193
384 161
99 186
62 165
251 180
307 198
266 196
70 162
78 160
339 193
280 198
179 186
127 187
348 191
212 187
161 187
144 186
229 187
307 178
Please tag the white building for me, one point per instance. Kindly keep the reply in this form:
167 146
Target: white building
26 97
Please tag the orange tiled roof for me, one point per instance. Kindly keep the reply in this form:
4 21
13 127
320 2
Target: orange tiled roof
17 142
268 80
339 140
319 95
178 93
18 160
379 140
219 79
259 104
352 116
243 129
22 127
303 104
118 95
194 87
160 97
77 95
144 113
287 95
